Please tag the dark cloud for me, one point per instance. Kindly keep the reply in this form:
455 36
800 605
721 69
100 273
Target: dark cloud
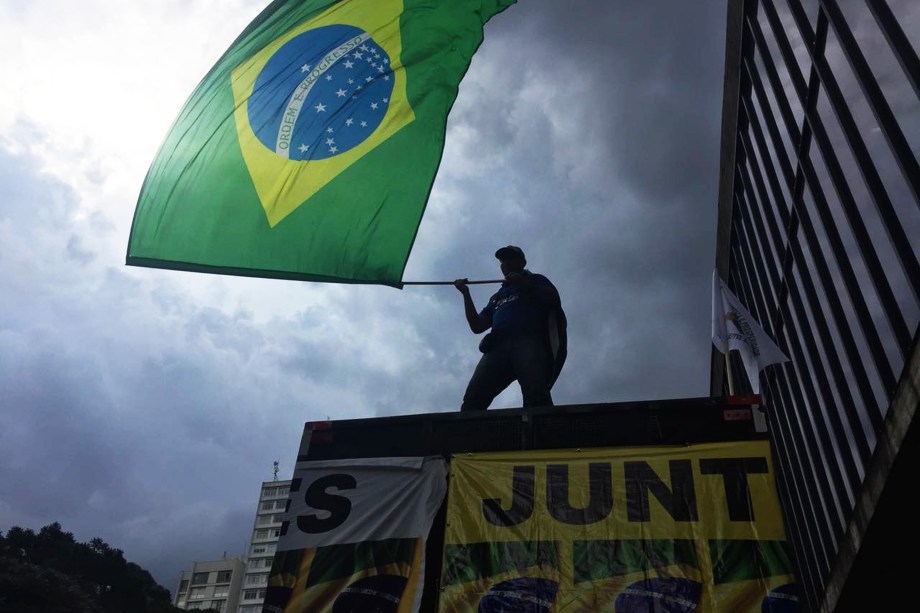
590 137
146 406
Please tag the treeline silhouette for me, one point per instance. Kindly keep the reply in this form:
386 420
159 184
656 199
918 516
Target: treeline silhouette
50 572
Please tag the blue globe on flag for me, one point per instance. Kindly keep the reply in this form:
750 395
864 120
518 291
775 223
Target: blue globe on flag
374 594
521 595
322 93
659 595
783 599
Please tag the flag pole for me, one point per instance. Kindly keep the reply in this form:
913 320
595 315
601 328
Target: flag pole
718 319
451 282
728 369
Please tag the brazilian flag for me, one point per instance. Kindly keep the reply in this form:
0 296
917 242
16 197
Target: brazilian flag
373 576
310 148
512 576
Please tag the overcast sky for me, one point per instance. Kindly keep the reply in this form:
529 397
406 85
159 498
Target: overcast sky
146 406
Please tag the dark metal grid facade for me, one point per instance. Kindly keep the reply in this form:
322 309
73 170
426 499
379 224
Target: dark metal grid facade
819 219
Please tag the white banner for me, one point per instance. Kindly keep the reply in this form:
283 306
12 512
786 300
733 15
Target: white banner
354 535
351 501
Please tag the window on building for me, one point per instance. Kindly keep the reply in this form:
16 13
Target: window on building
197 592
270 547
282 491
254 594
221 591
267 506
261 534
183 585
219 605
224 576
280 504
257 549
268 492
200 578
257 579
276 533
265 520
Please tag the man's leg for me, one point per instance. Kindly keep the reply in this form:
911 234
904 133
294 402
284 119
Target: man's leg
532 368
492 375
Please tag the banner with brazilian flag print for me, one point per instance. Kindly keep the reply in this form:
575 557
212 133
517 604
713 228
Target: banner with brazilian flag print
353 536
621 530
309 150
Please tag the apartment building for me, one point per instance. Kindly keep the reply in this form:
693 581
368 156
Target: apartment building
266 530
211 585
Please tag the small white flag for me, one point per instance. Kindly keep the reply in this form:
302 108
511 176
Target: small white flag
734 328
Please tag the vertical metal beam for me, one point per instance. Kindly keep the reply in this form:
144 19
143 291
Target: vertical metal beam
798 503
842 324
903 154
839 376
734 50
884 206
900 44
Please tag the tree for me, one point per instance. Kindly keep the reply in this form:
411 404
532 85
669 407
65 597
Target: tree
51 571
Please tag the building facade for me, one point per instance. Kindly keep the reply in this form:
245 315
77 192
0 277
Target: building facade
211 585
266 531
819 235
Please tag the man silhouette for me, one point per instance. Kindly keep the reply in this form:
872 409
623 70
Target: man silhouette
527 341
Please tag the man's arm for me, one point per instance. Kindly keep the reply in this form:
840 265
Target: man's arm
478 322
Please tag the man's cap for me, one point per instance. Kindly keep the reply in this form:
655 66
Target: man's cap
510 251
